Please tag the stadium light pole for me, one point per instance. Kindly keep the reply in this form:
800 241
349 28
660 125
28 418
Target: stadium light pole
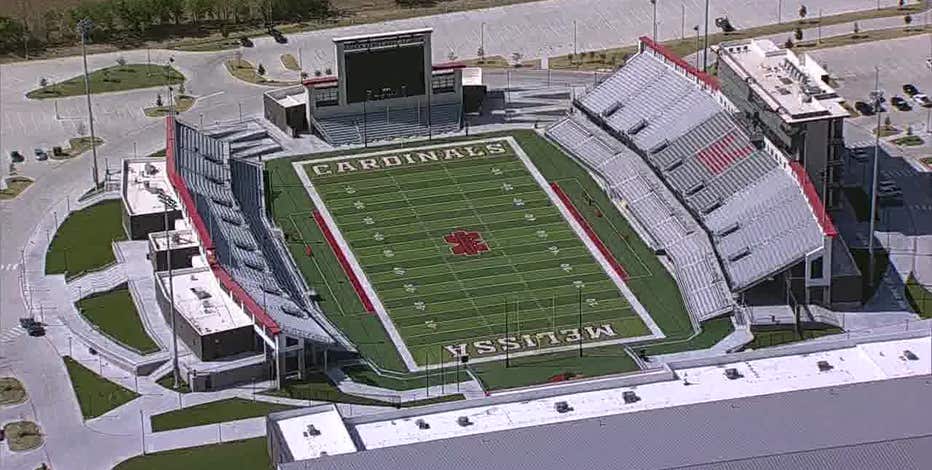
168 202
696 29
365 118
705 48
84 27
653 4
878 95
683 21
779 11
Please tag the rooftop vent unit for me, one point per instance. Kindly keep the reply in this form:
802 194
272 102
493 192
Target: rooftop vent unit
824 366
740 254
201 294
630 397
637 127
311 431
151 169
733 374
464 421
562 407
910 356
421 424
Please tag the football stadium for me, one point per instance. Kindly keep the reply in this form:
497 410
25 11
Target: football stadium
639 222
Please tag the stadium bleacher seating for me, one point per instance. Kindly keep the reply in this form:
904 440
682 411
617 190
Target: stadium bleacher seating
380 125
727 213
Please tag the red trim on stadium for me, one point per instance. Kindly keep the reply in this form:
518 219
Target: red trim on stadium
709 80
259 315
319 81
341 258
825 220
619 269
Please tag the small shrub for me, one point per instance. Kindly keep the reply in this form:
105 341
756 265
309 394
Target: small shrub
43 82
121 61
260 70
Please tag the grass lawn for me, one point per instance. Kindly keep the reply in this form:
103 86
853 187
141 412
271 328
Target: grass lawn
554 367
920 297
230 409
83 241
249 454
157 154
167 381
116 78
862 37
96 395
318 387
768 338
610 58
114 314
713 331
365 375
909 141
182 104
11 391
886 131
22 435
15 186
862 260
290 63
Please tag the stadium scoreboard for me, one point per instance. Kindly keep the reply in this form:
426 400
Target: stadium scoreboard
384 66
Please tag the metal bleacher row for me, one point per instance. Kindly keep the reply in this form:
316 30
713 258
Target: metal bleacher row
207 177
684 167
387 125
655 209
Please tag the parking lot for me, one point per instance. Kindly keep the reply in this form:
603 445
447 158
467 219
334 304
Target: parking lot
900 61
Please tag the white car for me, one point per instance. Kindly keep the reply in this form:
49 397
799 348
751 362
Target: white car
923 100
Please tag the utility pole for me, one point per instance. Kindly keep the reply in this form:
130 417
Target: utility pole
575 48
779 11
878 95
696 29
683 21
84 27
820 27
705 50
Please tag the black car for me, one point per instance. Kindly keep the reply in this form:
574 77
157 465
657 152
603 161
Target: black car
17 157
864 108
245 42
279 37
27 322
900 103
910 90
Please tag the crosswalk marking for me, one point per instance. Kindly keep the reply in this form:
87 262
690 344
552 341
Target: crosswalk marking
11 334
922 207
9 267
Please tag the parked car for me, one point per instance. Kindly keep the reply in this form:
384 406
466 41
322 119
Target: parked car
864 108
910 89
900 103
923 100
36 330
17 157
279 37
26 322
245 41
41 154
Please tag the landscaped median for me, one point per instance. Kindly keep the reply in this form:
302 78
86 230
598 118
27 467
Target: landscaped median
22 435
77 146
12 391
83 241
121 77
15 185
96 395
114 314
182 104
920 297
245 71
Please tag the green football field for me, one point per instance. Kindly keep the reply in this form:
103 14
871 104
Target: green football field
469 255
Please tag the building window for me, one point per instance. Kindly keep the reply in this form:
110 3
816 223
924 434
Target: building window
815 268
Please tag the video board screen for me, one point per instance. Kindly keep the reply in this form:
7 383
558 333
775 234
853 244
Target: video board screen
384 73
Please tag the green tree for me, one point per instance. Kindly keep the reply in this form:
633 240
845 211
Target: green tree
200 9
12 34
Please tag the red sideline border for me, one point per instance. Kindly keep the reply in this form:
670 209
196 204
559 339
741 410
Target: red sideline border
825 220
619 269
236 291
706 78
341 257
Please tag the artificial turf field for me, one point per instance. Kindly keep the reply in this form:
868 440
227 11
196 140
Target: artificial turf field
649 280
471 251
